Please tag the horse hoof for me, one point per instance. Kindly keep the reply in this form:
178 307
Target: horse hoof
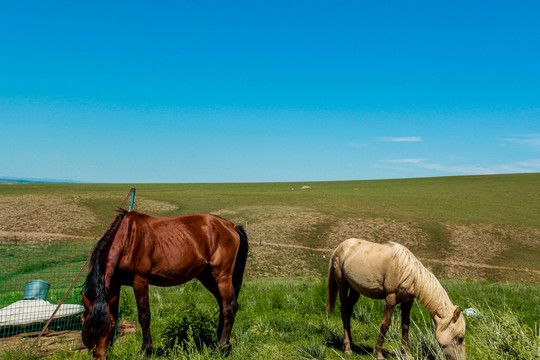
146 352
348 351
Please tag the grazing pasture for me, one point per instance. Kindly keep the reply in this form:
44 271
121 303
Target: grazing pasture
281 318
480 235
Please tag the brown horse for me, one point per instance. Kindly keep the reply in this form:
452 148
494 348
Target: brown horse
139 250
391 272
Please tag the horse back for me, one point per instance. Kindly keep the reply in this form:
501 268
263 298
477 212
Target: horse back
173 250
367 266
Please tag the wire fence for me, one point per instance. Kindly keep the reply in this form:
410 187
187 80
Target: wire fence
33 280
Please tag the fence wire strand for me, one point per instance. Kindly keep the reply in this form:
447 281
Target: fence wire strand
47 273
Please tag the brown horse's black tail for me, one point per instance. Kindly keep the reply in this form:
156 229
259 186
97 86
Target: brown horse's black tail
241 257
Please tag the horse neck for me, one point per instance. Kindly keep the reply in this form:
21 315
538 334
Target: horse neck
424 285
432 295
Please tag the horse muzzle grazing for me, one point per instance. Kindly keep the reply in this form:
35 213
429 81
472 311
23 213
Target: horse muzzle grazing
98 326
450 335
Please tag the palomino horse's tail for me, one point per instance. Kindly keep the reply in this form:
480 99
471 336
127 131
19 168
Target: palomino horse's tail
94 288
241 257
332 288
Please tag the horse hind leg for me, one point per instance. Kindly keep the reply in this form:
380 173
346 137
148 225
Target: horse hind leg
346 309
226 298
352 299
228 307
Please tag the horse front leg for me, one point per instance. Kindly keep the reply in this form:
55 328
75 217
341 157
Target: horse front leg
405 321
140 288
113 303
389 305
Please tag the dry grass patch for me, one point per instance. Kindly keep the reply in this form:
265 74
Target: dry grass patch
476 243
37 237
55 214
50 343
282 228
272 261
149 206
275 224
376 230
529 237
482 243
49 218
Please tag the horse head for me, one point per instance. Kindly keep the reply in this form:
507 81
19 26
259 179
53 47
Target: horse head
450 335
98 325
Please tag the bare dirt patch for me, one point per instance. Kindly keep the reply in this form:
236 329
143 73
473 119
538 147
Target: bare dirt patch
51 342
474 244
149 206
480 251
281 225
270 261
45 213
36 237
376 230
49 218
479 243
529 237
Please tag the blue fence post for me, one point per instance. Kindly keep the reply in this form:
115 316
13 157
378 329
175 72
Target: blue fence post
132 198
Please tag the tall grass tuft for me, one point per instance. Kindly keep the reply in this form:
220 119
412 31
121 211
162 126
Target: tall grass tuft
191 324
499 334
312 350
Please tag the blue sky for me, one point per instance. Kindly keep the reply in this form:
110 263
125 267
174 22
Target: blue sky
233 91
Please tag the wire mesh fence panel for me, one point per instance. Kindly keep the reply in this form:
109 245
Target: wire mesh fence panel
33 280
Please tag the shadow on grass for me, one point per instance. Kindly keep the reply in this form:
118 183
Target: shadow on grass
208 349
336 342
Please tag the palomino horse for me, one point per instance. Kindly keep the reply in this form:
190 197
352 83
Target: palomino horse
391 272
139 250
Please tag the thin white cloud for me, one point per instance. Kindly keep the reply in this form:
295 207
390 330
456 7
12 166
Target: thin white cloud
356 145
532 164
401 139
466 170
404 161
528 166
528 139
511 168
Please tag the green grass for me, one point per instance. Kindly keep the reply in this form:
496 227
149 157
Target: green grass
285 319
56 263
500 199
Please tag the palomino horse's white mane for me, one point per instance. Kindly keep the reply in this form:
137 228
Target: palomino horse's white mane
421 281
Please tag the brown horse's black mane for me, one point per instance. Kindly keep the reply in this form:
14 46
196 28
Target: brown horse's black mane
94 287
94 284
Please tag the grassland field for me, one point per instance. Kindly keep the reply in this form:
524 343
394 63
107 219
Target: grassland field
480 233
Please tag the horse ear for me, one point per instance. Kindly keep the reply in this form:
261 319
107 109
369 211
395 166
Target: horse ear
87 303
457 312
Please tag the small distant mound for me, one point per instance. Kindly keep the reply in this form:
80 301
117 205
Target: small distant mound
305 187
